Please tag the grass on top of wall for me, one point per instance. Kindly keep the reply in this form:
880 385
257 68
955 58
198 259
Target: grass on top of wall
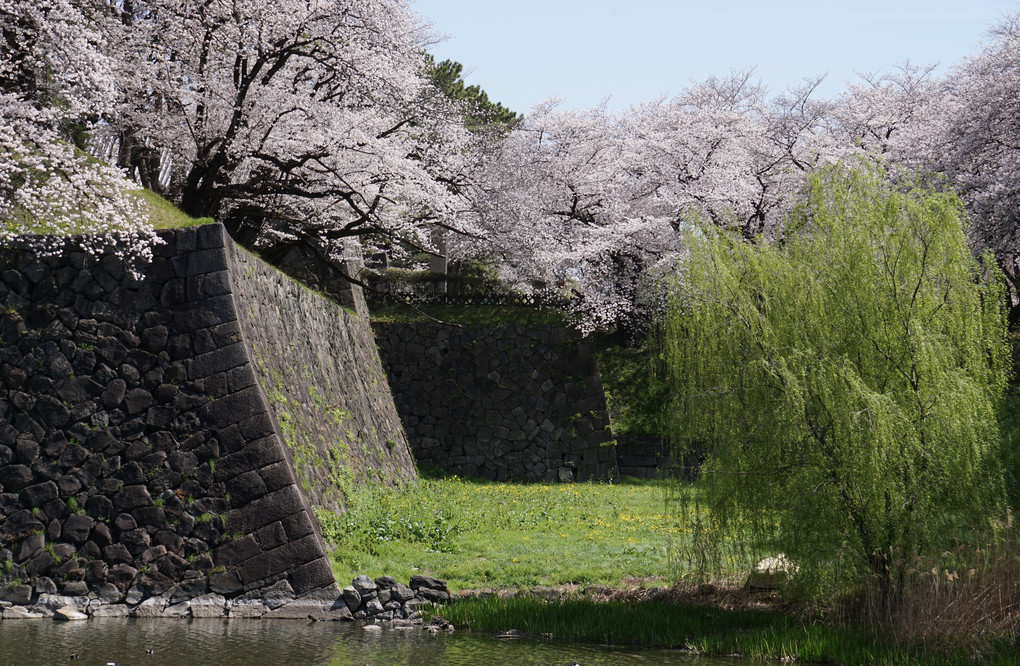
163 214
479 534
399 313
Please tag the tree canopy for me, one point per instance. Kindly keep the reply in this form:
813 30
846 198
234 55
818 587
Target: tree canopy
845 382
480 111
314 123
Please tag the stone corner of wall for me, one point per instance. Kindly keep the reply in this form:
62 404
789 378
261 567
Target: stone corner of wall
138 455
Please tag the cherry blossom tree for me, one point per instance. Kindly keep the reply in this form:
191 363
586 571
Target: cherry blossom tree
598 200
295 122
562 209
888 114
975 141
54 79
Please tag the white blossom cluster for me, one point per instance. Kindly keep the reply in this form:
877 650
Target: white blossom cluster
55 72
596 201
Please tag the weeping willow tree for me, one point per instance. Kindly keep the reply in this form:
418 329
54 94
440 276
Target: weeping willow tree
844 383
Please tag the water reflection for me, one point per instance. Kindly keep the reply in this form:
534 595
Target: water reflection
255 642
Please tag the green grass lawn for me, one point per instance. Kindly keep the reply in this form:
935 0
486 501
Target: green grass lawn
478 534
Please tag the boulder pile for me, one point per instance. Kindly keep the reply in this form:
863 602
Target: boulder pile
380 600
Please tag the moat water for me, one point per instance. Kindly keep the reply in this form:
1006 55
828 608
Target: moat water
128 642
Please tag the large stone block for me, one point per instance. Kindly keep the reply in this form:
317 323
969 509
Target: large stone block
76 528
268 509
311 576
281 560
253 456
39 494
207 313
246 487
199 262
15 477
132 497
216 361
234 408
237 551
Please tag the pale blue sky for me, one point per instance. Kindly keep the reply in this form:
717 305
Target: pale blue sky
524 51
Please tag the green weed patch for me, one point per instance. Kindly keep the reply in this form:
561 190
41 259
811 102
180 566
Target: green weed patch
479 534
163 214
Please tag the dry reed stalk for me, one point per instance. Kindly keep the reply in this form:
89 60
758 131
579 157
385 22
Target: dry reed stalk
969 610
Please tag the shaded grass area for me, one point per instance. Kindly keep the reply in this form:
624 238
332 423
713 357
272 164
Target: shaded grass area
709 630
478 534
388 312
635 393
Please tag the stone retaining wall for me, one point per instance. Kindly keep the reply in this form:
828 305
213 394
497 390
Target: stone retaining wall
643 456
139 456
503 402
319 368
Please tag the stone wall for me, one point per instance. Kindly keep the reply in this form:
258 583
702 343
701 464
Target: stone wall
308 265
503 402
643 456
139 455
319 368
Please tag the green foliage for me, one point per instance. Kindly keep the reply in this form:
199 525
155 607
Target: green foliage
413 514
846 382
482 113
635 393
212 517
752 634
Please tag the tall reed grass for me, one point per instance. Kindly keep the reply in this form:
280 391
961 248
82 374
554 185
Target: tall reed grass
703 629
966 599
